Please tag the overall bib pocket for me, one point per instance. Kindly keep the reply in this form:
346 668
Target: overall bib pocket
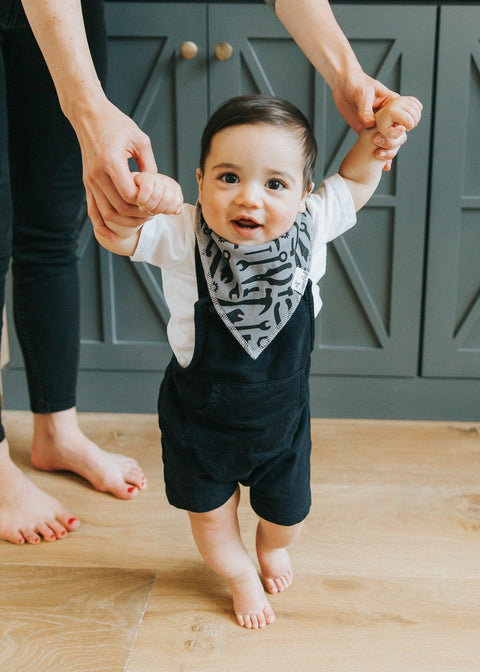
247 417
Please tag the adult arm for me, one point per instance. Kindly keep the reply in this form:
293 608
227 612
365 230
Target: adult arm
107 137
314 28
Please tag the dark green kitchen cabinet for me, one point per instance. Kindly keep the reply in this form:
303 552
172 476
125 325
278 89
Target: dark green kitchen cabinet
378 334
452 315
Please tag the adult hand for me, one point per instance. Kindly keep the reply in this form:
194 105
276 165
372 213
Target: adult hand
108 138
357 97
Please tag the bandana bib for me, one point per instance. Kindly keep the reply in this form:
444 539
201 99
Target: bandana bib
256 289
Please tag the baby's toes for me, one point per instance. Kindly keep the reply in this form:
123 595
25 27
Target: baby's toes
271 586
284 581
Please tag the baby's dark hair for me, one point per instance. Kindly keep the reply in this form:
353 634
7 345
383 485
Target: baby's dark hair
259 109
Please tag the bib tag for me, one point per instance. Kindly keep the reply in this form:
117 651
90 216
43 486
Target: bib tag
300 279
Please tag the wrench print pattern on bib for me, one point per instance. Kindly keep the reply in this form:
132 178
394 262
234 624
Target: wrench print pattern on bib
256 289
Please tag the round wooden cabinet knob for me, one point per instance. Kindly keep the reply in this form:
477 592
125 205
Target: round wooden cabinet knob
223 51
188 50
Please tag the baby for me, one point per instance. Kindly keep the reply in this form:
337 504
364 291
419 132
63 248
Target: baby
240 275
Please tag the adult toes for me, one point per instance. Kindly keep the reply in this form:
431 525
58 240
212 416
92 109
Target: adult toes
137 477
45 531
30 536
57 528
13 536
68 521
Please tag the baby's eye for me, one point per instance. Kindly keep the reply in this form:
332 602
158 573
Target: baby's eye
229 178
276 185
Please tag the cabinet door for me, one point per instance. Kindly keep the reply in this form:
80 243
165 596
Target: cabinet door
452 323
123 311
373 287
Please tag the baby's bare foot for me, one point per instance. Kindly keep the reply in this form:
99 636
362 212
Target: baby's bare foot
61 445
27 514
276 569
251 607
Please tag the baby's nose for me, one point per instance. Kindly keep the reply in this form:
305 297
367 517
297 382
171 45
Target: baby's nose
250 195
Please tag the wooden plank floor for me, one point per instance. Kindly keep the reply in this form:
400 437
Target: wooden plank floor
387 571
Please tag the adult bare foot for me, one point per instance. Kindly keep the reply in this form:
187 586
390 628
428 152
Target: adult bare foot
251 607
60 445
27 514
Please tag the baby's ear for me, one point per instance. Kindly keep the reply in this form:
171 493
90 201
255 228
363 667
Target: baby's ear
199 175
302 206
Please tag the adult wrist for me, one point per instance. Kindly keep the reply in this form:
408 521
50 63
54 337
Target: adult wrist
82 103
340 65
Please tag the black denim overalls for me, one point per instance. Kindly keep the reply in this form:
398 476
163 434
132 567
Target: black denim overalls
229 419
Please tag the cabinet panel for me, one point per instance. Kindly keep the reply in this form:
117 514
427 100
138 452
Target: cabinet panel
372 291
452 322
123 312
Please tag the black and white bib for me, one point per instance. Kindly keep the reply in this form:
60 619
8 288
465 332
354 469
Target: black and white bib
256 289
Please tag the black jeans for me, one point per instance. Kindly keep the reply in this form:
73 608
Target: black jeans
41 195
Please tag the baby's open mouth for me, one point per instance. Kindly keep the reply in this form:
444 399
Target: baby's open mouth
246 223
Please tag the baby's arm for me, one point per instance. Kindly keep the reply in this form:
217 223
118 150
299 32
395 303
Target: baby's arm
360 169
121 239
155 193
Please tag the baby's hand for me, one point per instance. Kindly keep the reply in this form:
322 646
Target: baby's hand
394 120
158 194
398 116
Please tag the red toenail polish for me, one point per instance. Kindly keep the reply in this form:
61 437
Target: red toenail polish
71 521
52 536
132 489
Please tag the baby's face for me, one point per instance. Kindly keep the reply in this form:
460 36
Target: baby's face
251 189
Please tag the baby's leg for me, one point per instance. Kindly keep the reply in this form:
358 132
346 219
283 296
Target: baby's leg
217 535
272 541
